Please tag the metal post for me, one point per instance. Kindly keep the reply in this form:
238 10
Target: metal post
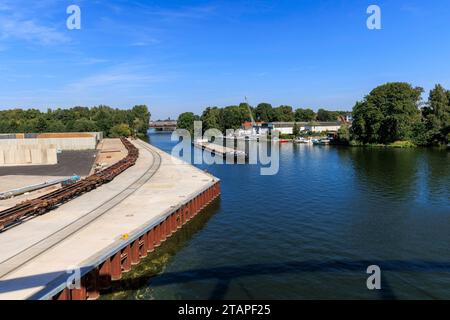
63 295
135 252
179 223
79 293
92 288
116 267
126 259
157 235
162 229
104 275
174 222
143 246
151 240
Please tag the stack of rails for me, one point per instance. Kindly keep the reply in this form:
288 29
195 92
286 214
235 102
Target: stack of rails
49 201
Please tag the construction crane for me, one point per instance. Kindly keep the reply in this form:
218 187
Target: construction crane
250 112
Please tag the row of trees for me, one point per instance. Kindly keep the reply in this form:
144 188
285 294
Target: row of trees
395 112
113 122
265 112
390 113
232 117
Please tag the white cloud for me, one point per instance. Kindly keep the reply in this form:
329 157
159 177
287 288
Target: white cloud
145 43
118 77
19 21
183 12
29 30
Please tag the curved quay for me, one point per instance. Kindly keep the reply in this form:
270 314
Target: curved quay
108 264
27 255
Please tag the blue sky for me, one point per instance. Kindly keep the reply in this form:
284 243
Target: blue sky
180 56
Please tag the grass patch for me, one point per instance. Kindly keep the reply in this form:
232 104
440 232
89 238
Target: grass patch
397 144
402 144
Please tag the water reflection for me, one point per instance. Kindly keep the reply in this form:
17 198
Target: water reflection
311 230
390 173
136 284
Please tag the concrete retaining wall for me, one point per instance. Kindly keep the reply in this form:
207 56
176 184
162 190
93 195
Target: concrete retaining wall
81 143
28 155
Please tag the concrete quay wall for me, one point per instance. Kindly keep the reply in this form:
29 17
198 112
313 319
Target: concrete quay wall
121 259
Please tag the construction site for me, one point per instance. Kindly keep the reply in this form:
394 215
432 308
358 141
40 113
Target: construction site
77 201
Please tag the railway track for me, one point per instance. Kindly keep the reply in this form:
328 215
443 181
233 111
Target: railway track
31 252
53 199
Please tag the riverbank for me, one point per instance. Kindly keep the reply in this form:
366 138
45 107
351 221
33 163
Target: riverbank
310 231
396 145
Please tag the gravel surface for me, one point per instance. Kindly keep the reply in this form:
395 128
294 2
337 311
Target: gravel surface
69 163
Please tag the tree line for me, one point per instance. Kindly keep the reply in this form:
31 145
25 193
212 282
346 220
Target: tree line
391 113
232 117
113 122
395 112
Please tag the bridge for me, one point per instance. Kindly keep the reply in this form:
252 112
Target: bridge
163 125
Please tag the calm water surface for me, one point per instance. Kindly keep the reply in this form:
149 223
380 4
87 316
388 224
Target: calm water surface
311 231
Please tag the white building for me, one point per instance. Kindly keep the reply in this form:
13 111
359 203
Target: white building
247 129
323 126
288 127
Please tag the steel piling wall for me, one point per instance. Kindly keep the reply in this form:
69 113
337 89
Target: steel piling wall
122 261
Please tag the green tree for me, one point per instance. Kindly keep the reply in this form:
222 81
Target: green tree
296 130
79 118
138 126
212 118
103 117
56 126
264 112
388 114
284 114
186 121
142 113
234 116
344 134
120 130
41 125
84 125
437 115
325 115
304 115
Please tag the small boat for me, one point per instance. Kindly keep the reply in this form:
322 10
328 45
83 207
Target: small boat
302 140
321 142
280 140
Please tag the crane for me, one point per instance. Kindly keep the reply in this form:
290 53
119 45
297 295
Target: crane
250 112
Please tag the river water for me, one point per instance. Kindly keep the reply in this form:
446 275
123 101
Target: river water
311 231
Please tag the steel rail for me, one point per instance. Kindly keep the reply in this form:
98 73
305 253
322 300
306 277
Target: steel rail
53 199
32 252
